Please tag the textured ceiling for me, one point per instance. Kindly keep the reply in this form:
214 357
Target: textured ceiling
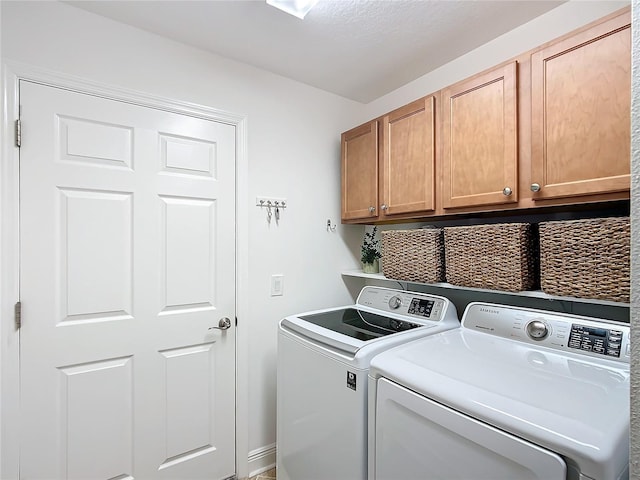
359 49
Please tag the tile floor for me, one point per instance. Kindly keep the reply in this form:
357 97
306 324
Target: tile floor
268 475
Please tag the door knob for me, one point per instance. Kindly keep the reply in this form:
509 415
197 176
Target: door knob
507 191
372 209
535 187
223 324
384 206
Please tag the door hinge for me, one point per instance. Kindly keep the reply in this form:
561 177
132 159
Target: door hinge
18 314
18 133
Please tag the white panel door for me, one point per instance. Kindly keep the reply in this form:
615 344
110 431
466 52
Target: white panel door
127 218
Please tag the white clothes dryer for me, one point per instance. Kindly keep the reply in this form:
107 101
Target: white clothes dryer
513 394
323 362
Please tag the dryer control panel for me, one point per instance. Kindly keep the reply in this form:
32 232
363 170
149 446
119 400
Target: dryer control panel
584 335
605 341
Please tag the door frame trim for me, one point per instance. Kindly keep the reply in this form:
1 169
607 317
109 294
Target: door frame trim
12 73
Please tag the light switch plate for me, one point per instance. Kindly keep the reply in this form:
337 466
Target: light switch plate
277 285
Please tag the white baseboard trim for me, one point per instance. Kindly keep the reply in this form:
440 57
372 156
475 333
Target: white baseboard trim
262 459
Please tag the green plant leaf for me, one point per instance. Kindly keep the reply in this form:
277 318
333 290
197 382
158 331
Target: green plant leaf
370 246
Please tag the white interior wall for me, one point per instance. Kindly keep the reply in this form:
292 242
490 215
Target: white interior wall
293 134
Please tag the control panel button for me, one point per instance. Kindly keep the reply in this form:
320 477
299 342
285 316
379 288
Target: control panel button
537 330
395 302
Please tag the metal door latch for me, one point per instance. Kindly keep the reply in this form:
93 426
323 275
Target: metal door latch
223 324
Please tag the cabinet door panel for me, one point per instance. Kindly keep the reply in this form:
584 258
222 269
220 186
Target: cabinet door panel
360 172
480 153
581 97
409 158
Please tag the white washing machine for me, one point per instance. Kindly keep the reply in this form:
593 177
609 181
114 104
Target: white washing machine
513 394
323 362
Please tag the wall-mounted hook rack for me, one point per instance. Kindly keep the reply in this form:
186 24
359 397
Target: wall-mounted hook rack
273 206
271 202
331 227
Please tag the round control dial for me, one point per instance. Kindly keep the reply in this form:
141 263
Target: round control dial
537 329
395 302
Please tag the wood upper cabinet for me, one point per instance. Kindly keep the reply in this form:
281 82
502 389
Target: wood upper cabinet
550 127
409 154
480 139
581 104
360 172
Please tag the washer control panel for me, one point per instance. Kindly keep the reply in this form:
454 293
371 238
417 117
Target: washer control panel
411 305
584 335
423 307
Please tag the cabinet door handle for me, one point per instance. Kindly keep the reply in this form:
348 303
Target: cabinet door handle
384 206
506 191
535 187
372 209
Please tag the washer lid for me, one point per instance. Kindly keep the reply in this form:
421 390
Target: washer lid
381 318
359 324
573 405
348 329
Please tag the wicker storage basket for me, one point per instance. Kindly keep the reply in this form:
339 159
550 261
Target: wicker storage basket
413 255
586 258
499 256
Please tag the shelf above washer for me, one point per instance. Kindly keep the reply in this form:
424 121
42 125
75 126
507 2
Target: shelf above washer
531 294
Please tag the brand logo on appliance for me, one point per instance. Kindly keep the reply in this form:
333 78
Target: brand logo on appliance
490 310
351 380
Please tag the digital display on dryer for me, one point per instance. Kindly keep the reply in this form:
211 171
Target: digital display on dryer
596 340
420 307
